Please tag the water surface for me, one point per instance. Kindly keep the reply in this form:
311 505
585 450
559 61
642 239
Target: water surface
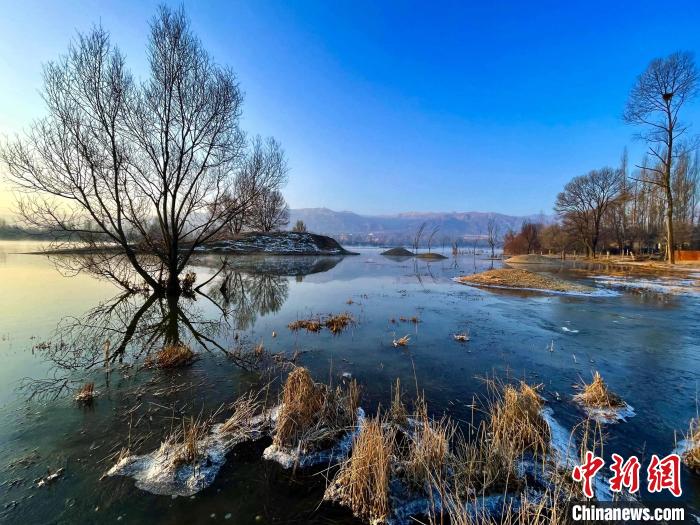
53 329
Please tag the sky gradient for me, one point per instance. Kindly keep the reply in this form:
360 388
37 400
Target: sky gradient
399 106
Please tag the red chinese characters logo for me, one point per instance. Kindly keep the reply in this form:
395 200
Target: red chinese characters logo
662 474
586 472
665 474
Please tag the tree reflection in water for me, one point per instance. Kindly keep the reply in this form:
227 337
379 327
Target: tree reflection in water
130 327
134 325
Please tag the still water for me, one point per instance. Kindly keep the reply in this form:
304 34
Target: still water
53 329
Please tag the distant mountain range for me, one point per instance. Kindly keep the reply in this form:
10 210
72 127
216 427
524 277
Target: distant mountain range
349 227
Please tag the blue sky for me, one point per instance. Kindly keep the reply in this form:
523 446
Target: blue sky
385 107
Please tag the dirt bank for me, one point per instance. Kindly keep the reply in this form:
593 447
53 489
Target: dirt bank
533 259
521 279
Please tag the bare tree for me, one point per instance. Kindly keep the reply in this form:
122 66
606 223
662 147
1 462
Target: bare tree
530 231
655 103
263 172
148 167
270 212
585 201
299 226
492 234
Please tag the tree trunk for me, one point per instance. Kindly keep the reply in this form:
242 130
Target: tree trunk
670 253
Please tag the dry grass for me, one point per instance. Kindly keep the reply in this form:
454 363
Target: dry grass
187 282
338 323
434 462
398 415
362 483
310 325
515 424
312 414
171 356
428 451
186 440
401 341
86 394
245 409
597 395
691 456
259 350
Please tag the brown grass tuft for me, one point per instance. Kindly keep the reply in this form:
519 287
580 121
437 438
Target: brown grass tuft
186 440
245 408
398 415
428 451
171 356
691 456
338 323
312 414
362 483
597 395
86 394
515 423
310 325
401 341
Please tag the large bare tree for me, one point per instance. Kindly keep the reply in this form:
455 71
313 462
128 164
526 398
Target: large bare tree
146 168
586 200
654 104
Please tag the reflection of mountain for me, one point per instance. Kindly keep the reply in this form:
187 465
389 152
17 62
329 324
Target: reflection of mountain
274 265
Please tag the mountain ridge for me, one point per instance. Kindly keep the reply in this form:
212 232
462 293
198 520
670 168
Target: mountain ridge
351 227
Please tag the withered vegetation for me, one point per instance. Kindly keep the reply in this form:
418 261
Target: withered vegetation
171 356
313 415
336 323
597 395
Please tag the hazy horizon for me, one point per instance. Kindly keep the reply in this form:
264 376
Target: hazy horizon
454 108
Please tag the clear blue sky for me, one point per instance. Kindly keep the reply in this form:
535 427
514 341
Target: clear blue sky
386 107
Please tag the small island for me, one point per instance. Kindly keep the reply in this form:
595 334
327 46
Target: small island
522 280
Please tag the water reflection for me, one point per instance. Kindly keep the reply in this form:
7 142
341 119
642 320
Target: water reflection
129 328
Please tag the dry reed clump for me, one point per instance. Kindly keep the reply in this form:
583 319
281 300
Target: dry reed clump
362 483
185 440
597 395
338 323
398 415
401 341
691 456
245 409
310 325
428 451
187 282
86 394
171 356
312 414
515 423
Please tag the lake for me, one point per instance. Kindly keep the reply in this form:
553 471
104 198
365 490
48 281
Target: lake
53 329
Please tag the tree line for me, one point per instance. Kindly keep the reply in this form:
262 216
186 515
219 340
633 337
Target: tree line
650 208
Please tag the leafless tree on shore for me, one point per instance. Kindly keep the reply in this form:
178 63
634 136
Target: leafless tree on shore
585 201
145 167
655 103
